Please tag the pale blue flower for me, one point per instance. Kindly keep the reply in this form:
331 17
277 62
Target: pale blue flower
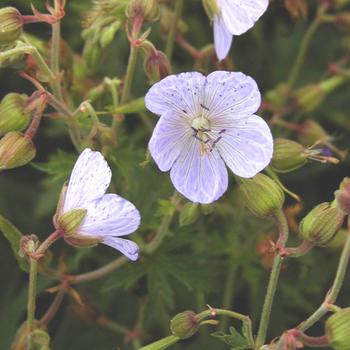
206 122
108 216
235 18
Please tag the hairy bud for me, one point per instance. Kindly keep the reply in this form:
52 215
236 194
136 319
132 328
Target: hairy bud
147 9
11 24
343 196
156 65
185 324
311 132
337 329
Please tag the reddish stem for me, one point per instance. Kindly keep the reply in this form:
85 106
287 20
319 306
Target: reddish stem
196 54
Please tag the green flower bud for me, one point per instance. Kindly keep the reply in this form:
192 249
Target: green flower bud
311 96
108 33
321 224
185 324
15 150
261 194
189 214
288 156
13 113
211 8
311 132
147 9
337 329
70 221
11 24
156 66
343 196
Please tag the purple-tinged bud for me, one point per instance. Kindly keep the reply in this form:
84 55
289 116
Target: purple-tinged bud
156 65
262 195
146 9
287 156
337 329
11 24
185 324
14 116
342 196
321 224
15 150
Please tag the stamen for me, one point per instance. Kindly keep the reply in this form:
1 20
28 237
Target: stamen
204 107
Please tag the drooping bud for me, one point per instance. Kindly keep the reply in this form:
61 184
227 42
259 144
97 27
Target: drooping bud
185 324
321 224
11 24
311 132
146 9
70 221
15 150
13 113
343 196
261 194
211 8
288 155
311 96
337 329
156 65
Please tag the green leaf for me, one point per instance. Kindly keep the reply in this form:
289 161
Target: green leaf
234 339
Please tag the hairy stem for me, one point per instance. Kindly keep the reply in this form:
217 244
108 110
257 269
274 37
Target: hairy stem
31 303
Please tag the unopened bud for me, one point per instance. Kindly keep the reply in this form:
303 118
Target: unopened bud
166 17
343 196
288 155
311 96
189 214
28 245
311 132
15 150
146 9
261 194
13 113
11 24
337 329
211 8
276 98
70 221
108 33
185 324
156 65
321 224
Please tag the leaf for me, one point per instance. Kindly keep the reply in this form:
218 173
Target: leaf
234 339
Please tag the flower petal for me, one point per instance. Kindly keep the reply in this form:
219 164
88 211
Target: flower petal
129 248
231 93
89 180
222 38
168 138
200 177
247 147
181 93
110 215
240 15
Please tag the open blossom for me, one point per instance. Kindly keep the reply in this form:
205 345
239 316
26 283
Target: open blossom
234 17
206 122
106 217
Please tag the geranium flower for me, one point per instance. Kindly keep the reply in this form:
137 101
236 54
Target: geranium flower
206 122
106 217
234 17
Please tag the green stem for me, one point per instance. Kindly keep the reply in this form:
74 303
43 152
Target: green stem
273 282
33 273
333 293
299 61
161 344
173 29
130 72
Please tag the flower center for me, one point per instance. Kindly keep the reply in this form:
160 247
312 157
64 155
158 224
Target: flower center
201 124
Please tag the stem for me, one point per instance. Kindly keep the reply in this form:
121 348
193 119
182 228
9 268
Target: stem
173 29
130 72
161 344
333 293
54 236
299 61
33 273
34 125
274 276
196 54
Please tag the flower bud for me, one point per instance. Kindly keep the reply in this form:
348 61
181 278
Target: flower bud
311 96
11 24
70 221
343 196
15 150
261 194
27 245
185 324
211 8
287 156
321 224
311 132
337 329
147 9
156 65
189 214
13 113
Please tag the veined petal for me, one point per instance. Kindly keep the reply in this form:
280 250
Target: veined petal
201 177
110 215
181 93
247 147
240 15
230 93
89 180
168 139
129 248
222 38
